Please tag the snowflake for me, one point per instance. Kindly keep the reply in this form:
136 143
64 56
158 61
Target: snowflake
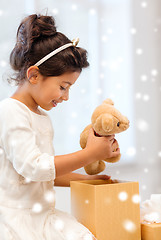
146 170
59 225
19 206
92 11
1 151
139 51
142 125
138 95
86 201
37 207
3 63
111 95
119 85
74 115
55 11
83 90
49 196
1 12
103 63
144 78
109 31
72 130
129 226
131 151
14 143
144 187
114 65
120 59
123 196
45 164
42 142
154 72
27 180
104 38
133 31
102 75
136 198
99 91
74 7
142 149
144 4
146 97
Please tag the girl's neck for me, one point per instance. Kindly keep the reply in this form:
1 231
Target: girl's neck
25 97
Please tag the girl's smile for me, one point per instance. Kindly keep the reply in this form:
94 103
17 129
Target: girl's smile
54 103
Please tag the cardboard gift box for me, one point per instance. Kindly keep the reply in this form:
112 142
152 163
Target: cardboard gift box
151 231
109 209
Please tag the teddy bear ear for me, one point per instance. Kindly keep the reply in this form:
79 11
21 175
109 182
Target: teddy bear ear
103 124
108 101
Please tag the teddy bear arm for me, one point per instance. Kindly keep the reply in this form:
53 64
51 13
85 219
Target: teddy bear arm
84 136
95 167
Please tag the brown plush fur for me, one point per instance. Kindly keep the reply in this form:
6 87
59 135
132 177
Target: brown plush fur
106 120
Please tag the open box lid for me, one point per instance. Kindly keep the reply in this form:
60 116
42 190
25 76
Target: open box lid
101 182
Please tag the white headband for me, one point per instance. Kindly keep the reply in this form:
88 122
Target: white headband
73 43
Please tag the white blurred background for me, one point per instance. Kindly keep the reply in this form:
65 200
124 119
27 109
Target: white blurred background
123 40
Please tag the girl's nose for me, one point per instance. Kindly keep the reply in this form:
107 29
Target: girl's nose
65 96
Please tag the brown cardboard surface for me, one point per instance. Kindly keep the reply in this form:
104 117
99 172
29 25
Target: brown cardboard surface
97 205
151 231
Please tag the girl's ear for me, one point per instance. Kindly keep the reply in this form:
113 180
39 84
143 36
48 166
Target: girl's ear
32 74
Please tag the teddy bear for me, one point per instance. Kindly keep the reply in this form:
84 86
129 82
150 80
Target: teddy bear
106 120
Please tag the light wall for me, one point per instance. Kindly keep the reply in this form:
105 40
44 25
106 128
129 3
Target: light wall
123 40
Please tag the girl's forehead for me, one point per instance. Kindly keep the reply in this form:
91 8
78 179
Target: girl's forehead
69 78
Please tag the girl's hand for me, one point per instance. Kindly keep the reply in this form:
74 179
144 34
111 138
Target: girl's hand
102 147
96 177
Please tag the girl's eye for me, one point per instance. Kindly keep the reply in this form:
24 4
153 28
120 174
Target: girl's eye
62 88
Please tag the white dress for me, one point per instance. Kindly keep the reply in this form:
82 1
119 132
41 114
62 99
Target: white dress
27 173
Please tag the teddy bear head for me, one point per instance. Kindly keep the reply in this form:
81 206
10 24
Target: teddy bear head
107 120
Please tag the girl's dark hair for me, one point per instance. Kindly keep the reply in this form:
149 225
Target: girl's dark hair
36 37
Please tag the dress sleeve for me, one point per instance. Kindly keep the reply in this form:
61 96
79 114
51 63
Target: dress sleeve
19 143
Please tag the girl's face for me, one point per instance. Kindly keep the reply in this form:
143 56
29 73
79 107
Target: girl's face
48 92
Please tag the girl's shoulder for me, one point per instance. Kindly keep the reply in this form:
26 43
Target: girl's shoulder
14 113
11 110
11 105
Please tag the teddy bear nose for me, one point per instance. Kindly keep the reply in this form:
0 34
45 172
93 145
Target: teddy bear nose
118 124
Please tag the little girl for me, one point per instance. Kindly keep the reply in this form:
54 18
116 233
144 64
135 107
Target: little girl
46 65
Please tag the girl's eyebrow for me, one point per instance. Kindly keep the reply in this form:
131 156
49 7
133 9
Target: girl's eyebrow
67 83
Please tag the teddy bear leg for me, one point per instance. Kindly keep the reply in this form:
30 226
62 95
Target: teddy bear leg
95 167
114 159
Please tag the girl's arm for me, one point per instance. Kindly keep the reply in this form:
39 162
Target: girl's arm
64 181
97 148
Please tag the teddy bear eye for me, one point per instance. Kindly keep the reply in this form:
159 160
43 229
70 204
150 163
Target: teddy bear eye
118 124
